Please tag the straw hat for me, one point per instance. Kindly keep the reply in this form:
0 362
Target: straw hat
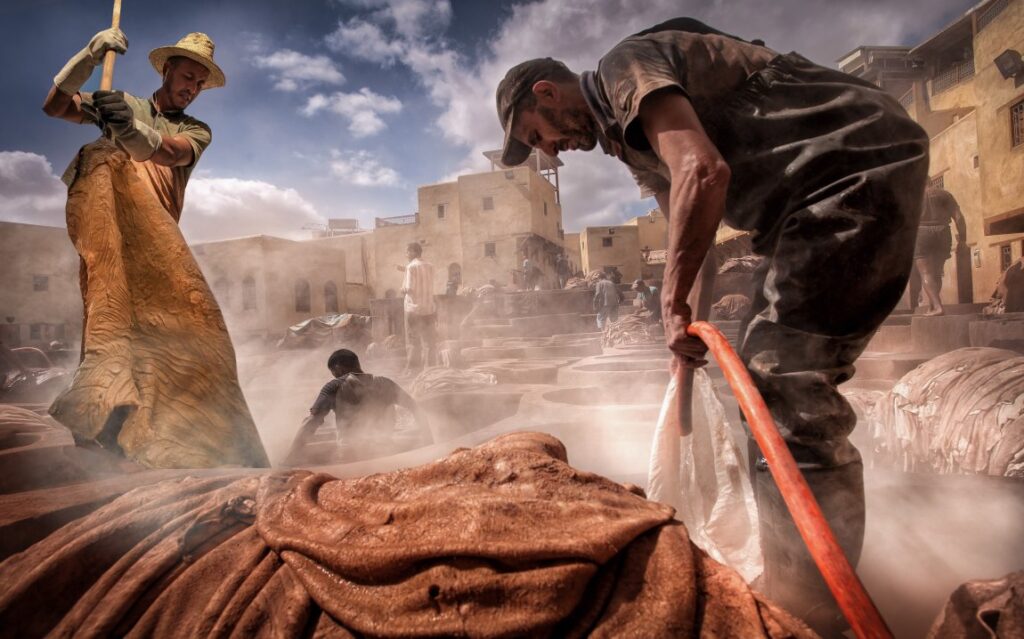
194 46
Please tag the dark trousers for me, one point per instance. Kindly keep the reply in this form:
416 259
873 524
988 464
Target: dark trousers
831 276
837 229
421 340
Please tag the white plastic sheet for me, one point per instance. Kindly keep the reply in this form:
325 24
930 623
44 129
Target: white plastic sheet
702 476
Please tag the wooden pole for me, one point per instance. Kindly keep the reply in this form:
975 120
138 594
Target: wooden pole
107 79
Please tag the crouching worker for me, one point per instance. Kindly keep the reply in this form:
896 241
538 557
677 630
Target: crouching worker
363 404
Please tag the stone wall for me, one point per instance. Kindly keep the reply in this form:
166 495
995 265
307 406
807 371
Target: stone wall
40 300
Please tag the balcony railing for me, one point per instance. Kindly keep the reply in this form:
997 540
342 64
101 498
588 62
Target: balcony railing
988 15
952 75
907 99
399 220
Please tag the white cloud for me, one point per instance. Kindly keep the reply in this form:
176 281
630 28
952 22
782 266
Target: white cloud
362 109
30 192
409 18
595 188
366 41
361 168
292 70
221 208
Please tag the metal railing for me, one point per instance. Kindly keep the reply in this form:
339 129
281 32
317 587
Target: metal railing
398 220
987 15
952 75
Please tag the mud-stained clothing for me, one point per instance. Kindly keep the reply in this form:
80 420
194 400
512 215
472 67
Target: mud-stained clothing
168 183
361 403
828 173
933 242
934 237
940 207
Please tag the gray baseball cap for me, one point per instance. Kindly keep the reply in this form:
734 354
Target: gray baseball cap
517 84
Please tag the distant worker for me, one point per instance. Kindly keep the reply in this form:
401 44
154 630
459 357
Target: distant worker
649 299
933 245
530 273
420 311
606 300
363 405
562 269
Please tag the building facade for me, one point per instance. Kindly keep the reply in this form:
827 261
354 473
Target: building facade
636 248
40 300
607 247
265 284
476 229
965 86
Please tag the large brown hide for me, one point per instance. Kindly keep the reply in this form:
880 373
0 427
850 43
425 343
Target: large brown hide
502 540
158 371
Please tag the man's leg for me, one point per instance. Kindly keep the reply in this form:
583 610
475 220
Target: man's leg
833 274
429 335
412 342
930 284
914 289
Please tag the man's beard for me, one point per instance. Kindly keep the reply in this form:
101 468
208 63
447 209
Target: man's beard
576 125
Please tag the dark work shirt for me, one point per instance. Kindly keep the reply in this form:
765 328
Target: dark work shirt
792 132
359 400
939 207
703 67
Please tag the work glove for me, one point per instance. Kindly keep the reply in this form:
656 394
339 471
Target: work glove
137 138
78 69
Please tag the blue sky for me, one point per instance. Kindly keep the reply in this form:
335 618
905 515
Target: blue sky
341 108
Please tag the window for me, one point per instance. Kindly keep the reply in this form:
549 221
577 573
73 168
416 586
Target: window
35 331
606 242
222 291
1005 257
1017 123
441 210
40 283
330 298
545 208
249 294
302 295
938 182
488 203
60 331
489 250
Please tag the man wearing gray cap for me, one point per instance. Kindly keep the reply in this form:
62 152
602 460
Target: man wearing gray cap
824 170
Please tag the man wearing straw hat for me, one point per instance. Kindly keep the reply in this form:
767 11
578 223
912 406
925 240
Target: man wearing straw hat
158 381
154 131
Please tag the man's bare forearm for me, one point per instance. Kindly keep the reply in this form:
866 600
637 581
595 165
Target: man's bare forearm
173 151
63 106
696 203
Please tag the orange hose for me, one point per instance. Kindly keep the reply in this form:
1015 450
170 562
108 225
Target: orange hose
858 608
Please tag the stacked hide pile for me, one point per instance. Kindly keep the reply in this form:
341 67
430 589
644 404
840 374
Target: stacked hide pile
961 412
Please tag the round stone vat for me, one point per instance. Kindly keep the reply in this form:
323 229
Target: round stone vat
454 414
594 405
18 439
513 371
628 373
